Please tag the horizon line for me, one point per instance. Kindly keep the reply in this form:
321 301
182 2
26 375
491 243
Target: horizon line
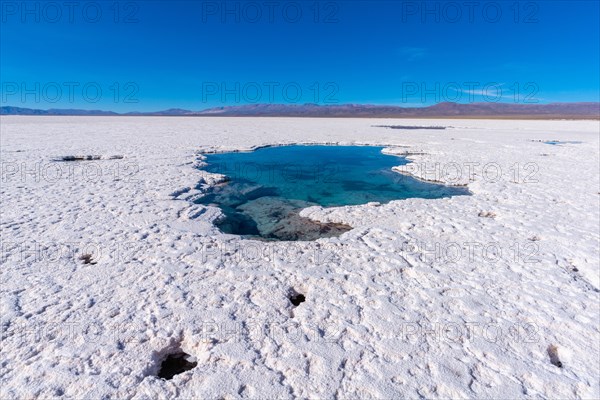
316 105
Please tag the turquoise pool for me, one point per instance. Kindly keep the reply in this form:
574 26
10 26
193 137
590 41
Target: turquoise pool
268 187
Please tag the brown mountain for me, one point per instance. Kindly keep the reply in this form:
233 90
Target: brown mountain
590 110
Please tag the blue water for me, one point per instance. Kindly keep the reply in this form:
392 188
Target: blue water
268 187
559 142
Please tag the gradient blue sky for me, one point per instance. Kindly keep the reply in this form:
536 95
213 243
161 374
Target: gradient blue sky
185 53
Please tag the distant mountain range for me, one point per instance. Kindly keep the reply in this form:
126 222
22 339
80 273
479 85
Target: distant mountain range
447 109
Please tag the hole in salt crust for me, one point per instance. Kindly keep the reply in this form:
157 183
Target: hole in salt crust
88 158
553 354
175 364
296 298
87 259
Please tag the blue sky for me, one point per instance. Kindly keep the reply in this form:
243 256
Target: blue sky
152 55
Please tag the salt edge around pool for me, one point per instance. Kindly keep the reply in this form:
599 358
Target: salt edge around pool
387 149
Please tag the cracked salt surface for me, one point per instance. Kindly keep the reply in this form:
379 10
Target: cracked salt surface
489 314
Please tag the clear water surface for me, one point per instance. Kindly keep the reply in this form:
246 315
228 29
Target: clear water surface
268 187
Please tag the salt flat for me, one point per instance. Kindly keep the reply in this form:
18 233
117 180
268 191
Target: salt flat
493 295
